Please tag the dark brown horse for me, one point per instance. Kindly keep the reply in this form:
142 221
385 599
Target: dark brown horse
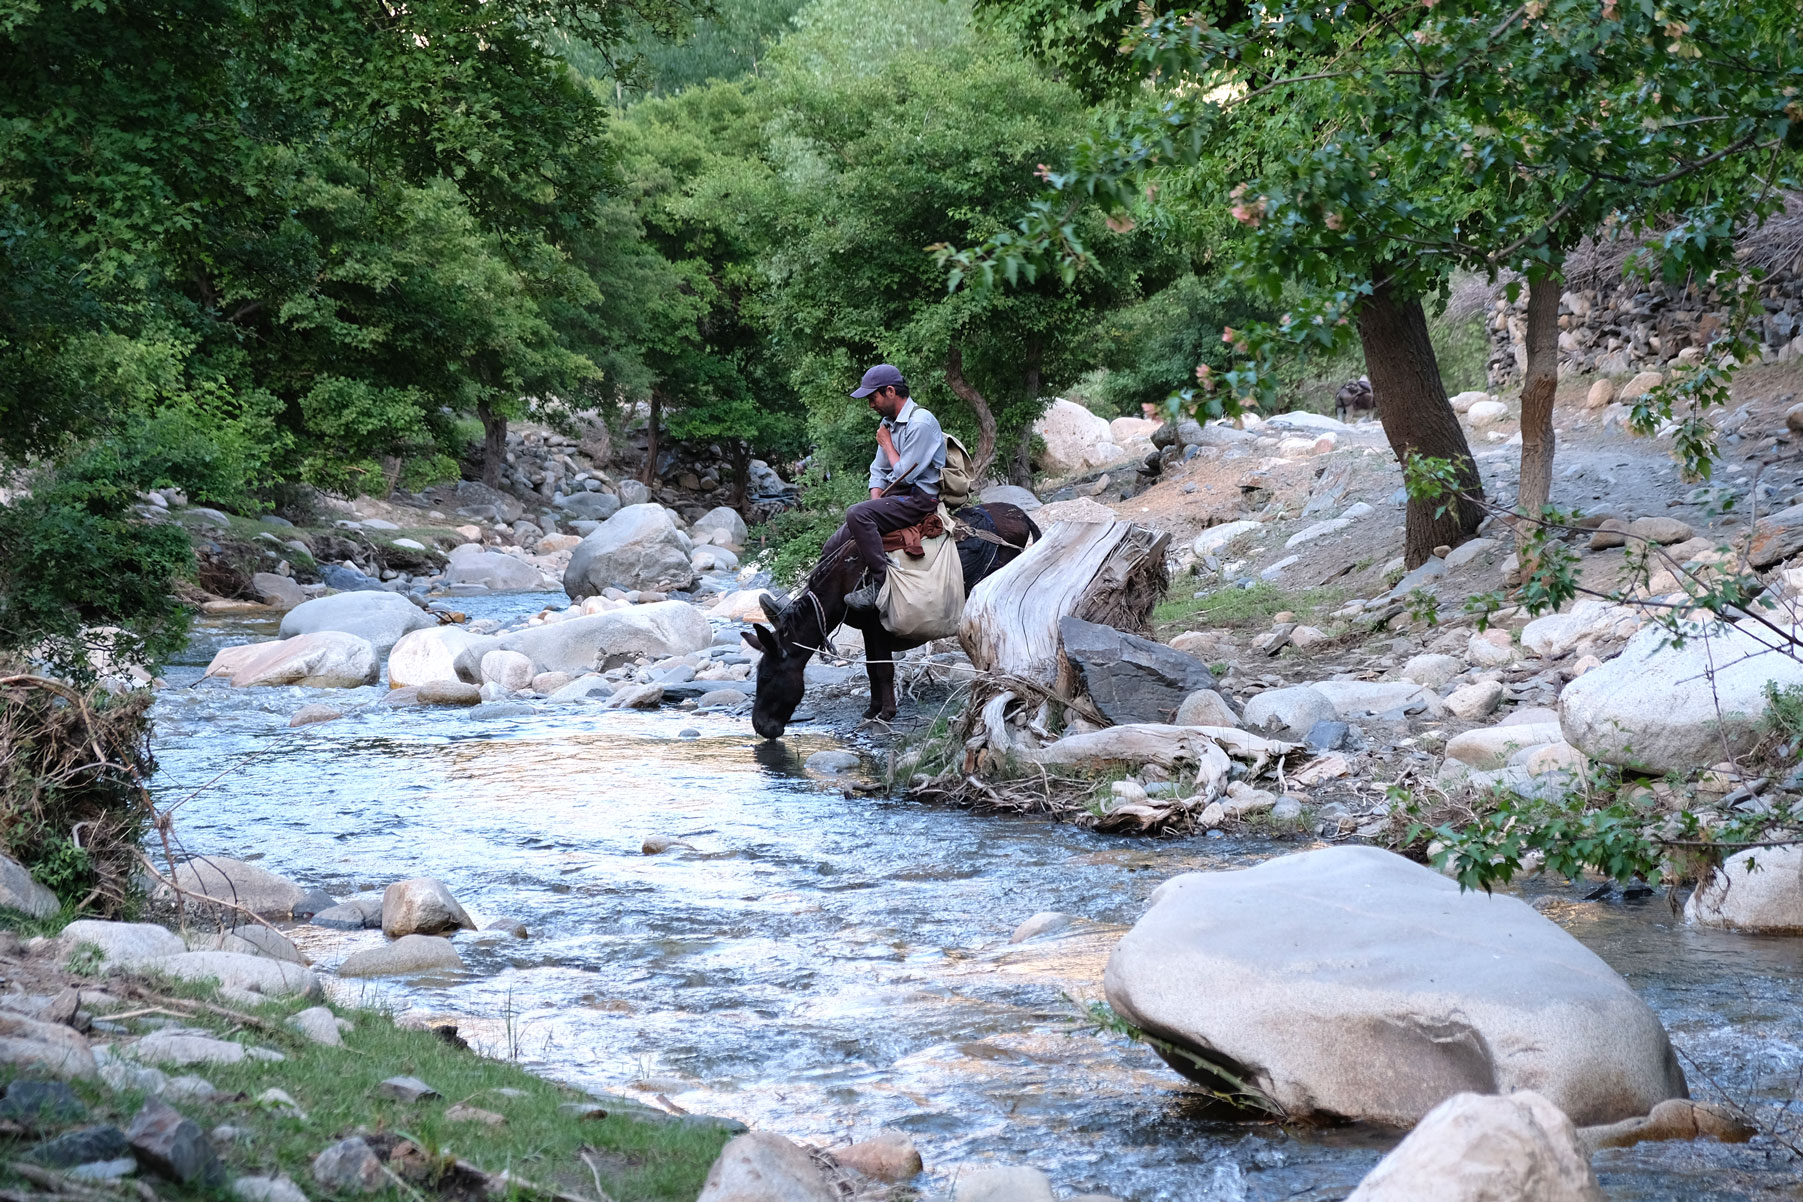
800 628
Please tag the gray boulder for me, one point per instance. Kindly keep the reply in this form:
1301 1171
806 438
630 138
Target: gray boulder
494 571
1350 983
1130 679
1759 891
1205 707
118 944
637 548
1010 494
408 954
589 506
325 659
579 645
381 618
438 653
276 591
241 973
1657 708
761 1166
421 906
1472 1148
256 889
19 892
725 520
1293 710
41 1047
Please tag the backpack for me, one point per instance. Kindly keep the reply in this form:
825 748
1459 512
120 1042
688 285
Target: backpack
959 475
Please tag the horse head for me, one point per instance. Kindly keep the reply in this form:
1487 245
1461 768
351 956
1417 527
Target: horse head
785 650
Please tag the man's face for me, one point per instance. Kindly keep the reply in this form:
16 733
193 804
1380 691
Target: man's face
884 402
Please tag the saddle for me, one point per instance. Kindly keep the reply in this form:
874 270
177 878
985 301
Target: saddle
911 539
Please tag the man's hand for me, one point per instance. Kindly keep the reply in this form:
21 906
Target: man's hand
888 444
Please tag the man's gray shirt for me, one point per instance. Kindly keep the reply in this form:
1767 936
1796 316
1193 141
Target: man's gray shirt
920 443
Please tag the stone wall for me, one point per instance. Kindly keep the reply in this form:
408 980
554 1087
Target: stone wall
1632 326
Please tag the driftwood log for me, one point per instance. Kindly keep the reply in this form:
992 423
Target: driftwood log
1107 572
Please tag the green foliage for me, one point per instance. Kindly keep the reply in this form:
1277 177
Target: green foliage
1228 1087
798 534
1151 348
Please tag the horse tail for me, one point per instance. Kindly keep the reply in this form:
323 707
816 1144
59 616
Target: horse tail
1033 532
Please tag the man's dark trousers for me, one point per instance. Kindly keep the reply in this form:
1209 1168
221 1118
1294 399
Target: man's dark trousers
867 522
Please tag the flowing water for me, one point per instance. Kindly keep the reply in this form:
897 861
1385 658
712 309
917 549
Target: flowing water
824 965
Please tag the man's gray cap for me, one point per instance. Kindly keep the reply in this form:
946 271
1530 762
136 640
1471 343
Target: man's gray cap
880 376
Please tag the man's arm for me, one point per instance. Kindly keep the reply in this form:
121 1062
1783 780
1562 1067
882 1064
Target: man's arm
879 474
921 441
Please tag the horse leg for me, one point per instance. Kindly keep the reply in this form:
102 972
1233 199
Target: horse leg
879 655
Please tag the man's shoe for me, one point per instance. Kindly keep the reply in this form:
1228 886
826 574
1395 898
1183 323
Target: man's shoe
863 601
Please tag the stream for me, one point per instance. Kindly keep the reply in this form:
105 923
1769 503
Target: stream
824 965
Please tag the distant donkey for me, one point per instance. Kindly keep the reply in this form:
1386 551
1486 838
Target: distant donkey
1353 396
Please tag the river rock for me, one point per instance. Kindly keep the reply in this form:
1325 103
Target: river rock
578 645
1675 1118
408 954
725 698
1352 698
584 688
1662 530
1074 438
1639 386
1045 922
277 592
19 892
450 693
421 906
587 506
635 697
318 1024
1474 701
1758 891
1293 710
1471 1148
1490 747
722 519
761 1166
890 1156
266 1189
1487 413
262 892
832 762
184 1046
1431 671
1130 679
1601 393
1205 707
1655 708
637 548
170 1144
42 1047
1490 649
327 660
1776 537
379 618
1212 540
250 940
512 670
494 571
349 1166
313 715
1020 1184
119 944
39 1103
1555 634
1351 983
407 1089
1010 494
438 653
241 972
360 913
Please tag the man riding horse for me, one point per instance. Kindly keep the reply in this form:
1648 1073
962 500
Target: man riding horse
904 490
904 478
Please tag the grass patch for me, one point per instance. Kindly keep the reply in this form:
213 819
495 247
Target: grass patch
1230 606
635 1157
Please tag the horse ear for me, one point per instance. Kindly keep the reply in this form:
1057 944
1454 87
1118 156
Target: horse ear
766 640
772 608
751 640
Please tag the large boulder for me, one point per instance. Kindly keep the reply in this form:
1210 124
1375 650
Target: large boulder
1759 891
589 506
117 944
1552 635
722 519
277 592
439 653
494 571
1129 678
421 905
1074 438
762 1166
258 890
408 954
1351 983
1658 708
380 617
1776 537
1293 710
1472 1148
1009 494
241 972
328 659
637 548
577 645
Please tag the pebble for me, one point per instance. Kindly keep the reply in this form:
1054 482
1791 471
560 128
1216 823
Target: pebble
406 1089
318 1024
267 1189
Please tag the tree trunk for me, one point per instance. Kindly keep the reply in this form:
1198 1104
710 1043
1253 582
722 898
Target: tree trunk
1021 470
649 473
954 377
1412 405
1537 393
494 443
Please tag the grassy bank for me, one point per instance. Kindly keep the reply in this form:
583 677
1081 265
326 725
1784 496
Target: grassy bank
549 1139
